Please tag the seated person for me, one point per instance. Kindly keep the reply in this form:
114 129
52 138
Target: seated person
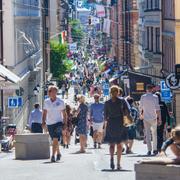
173 143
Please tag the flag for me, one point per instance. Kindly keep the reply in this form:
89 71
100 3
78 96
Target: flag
95 20
100 11
106 26
62 37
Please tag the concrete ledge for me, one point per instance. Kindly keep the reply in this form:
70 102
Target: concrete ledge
32 146
157 172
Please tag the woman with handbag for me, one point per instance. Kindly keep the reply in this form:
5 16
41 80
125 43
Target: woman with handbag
116 133
82 123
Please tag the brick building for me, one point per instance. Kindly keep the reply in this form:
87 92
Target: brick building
124 32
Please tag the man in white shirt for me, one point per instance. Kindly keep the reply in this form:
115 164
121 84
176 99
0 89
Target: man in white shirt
150 111
54 116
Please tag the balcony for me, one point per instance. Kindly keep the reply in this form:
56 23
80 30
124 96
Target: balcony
152 56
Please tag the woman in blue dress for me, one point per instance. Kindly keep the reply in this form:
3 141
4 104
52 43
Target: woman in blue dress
82 123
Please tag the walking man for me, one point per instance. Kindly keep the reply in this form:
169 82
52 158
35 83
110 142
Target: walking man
35 119
97 118
150 111
54 116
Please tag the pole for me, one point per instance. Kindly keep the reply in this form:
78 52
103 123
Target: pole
1 53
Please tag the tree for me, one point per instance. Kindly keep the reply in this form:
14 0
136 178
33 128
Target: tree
76 31
58 54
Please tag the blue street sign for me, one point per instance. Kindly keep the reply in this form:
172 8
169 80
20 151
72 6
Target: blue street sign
166 95
20 101
15 102
106 89
165 92
12 102
164 86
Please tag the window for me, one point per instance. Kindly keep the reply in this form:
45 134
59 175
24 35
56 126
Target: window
148 33
151 45
149 4
158 40
157 4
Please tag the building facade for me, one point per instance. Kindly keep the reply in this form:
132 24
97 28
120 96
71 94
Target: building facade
124 32
130 32
171 43
23 56
169 23
150 34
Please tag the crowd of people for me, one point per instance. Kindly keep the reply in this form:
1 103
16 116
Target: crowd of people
118 120
114 122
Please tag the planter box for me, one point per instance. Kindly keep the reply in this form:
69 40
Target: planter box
157 172
32 146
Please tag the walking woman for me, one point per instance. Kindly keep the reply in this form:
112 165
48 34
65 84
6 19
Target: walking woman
116 133
68 128
82 123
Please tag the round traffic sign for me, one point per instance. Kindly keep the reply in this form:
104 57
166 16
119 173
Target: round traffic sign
172 82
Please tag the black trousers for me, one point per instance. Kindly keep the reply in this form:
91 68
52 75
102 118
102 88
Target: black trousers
36 128
160 137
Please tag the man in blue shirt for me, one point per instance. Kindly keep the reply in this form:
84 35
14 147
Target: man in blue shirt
97 119
35 119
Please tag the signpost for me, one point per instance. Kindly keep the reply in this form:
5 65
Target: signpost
106 89
165 91
15 102
172 82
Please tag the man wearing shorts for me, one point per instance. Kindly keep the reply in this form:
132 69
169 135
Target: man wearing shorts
97 118
54 115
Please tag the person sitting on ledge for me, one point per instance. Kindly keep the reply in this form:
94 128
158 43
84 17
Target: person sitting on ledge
173 143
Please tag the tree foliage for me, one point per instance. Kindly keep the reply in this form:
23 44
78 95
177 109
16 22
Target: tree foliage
59 65
76 31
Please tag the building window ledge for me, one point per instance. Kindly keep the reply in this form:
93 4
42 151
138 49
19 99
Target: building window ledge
152 10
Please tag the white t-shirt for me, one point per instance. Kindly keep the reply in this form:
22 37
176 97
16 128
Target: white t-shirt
54 110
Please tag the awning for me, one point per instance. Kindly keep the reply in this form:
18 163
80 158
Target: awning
7 75
116 76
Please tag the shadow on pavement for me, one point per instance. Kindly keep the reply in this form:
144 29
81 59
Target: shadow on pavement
95 148
49 162
139 155
81 153
110 170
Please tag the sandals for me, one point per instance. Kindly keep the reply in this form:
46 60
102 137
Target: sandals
119 167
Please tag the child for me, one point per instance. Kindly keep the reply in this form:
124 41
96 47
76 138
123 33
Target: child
68 128
173 143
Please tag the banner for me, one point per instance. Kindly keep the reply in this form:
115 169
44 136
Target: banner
95 20
100 11
73 47
107 26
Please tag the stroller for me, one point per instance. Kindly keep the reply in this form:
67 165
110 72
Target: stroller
8 138
77 140
75 122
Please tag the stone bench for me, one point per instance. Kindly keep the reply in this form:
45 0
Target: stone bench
32 146
157 172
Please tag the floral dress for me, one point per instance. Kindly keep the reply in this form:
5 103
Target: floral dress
82 120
